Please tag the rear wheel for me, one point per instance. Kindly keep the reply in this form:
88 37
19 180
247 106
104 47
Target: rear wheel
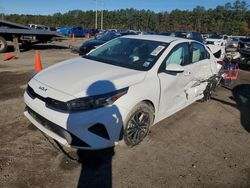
3 45
137 124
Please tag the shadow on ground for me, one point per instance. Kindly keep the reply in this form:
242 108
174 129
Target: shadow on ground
241 94
244 67
96 168
47 46
37 47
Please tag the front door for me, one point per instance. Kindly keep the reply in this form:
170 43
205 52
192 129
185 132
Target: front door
173 85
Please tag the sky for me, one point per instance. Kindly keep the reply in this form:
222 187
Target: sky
45 7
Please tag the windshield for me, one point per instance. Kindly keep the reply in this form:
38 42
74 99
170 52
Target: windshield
108 36
130 53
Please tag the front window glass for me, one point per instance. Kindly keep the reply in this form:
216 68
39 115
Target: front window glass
179 55
135 54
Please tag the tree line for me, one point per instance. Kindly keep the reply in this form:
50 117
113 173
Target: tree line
231 18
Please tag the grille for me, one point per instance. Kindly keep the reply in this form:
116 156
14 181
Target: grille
71 139
50 103
33 94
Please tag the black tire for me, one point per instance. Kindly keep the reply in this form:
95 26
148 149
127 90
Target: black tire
26 45
3 45
137 123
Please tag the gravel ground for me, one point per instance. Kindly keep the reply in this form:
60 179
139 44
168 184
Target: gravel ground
204 145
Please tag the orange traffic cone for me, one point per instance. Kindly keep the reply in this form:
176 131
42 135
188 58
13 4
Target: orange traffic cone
38 65
73 38
9 57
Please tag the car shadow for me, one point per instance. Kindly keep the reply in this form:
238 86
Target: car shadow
96 168
47 46
102 128
244 67
36 47
224 102
241 95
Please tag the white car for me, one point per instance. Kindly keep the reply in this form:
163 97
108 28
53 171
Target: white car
217 40
119 90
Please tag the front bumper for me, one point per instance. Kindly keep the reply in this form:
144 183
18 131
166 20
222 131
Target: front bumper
93 129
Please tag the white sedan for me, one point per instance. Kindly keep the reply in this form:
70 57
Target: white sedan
119 90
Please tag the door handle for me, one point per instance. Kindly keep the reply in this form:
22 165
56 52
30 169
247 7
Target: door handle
187 74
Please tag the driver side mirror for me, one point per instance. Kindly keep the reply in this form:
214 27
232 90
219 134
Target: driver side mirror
174 68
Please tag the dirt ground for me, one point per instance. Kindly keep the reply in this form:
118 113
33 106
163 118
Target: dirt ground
204 145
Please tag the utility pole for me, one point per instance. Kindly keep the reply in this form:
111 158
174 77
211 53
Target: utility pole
102 16
2 13
96 14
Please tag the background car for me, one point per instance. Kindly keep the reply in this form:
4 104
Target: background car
64 30
219 40
189 35
119 90
77 31
233 42
41 27
244 45
107 36
165 33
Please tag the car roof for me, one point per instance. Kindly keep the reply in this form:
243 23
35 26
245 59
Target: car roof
159 38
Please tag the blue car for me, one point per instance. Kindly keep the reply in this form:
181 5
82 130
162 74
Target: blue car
65 31
92 44
77 31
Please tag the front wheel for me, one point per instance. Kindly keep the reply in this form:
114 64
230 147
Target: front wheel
137 124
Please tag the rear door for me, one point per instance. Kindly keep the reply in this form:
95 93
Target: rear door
200 68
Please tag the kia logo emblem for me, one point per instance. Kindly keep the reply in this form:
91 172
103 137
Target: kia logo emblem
43 88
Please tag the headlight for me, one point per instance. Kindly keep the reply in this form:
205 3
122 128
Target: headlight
93 102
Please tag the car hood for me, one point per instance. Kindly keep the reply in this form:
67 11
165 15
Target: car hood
94 42
81 77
